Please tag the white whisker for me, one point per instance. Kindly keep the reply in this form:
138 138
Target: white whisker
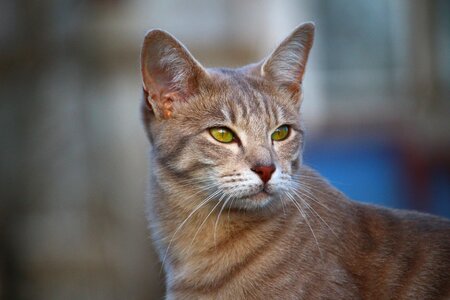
299 208
204 221
307 193
185 220
316 213
218 217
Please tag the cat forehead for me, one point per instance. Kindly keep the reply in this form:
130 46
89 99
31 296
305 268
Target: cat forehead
232 85
243 96
240 102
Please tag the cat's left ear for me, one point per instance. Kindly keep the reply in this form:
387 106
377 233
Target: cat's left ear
286 65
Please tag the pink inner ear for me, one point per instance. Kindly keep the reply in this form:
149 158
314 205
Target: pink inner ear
176 80
155 77
169 72
286 65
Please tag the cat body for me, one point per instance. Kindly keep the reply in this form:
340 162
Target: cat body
235 214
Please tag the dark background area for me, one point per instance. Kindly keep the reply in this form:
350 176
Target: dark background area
74 153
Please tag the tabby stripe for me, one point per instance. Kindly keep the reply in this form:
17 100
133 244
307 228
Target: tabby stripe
265 105
232 112
174 153
245 108
411 268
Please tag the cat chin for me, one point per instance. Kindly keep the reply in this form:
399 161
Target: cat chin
254 201
262 196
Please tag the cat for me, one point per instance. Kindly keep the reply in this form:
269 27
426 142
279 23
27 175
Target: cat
233 211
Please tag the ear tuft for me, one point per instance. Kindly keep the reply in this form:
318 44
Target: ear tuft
286 65
169 72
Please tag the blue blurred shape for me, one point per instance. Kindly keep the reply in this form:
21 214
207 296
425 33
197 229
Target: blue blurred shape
364 168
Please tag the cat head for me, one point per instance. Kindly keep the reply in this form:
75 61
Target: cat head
229 135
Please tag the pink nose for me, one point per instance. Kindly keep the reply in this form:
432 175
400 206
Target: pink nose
264 172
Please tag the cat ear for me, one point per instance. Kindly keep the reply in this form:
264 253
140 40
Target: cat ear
169 72
286 65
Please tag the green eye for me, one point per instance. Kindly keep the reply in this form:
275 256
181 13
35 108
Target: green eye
281 133
222 134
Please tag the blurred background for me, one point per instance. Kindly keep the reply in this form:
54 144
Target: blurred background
74 153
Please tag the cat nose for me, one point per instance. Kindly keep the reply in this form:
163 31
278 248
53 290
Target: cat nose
264 172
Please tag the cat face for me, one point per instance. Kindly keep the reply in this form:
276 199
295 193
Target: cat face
230 136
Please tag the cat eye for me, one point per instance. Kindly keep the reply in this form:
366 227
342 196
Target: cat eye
281 133
222 134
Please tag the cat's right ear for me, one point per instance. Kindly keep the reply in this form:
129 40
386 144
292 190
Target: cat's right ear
169 72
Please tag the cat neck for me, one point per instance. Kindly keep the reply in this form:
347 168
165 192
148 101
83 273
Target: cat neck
201 246
209 247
